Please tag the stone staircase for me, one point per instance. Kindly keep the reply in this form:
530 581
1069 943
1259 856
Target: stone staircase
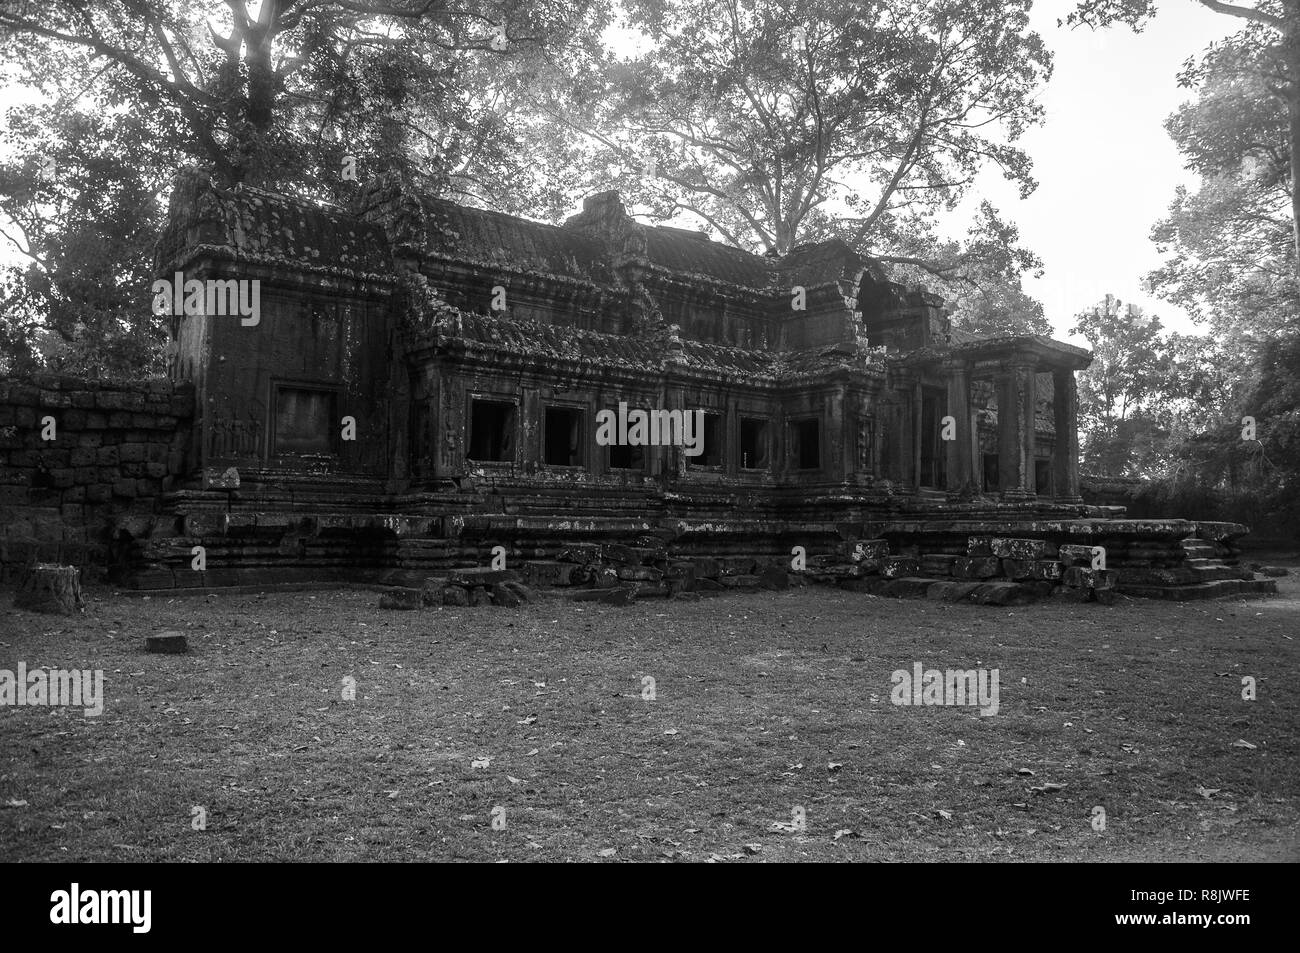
1209 570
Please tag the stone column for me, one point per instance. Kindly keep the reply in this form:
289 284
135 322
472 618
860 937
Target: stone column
1065 455
916 421
960 464
1016 398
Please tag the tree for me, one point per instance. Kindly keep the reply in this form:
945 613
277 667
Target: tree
136 89
777 123
1117 390
1267 50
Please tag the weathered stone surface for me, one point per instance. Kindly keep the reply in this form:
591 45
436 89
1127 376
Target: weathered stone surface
481 576
897 567
1021 569
869 549
979 546
639 574
1106 597
908 587
1075 555
1080 577
167 643
554 573
774 578
740 582
873 585
1010 548
976 567
1002 594
951 591
504 596
480 596
1275 572
938 564
455 596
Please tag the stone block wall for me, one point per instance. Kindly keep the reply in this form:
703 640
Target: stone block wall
76 455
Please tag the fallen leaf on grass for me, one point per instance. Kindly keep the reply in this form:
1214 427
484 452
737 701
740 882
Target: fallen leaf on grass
1242 743
845 832
514 780
834 766
609 852
1207 793
671 731
15 803
1025 771
531 719
946 815
753 848
480 762
1047 787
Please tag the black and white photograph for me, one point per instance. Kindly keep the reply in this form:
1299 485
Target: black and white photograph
650 431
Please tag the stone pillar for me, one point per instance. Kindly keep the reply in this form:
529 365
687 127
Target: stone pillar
1017 393
1065 456
915 421
961 469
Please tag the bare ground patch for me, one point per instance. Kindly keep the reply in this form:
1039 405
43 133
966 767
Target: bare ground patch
763 704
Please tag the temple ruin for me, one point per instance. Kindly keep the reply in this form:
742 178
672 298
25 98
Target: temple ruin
421 390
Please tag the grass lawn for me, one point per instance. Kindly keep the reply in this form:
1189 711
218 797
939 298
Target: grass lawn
763 704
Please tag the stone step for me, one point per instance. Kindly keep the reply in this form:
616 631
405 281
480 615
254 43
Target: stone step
1203 590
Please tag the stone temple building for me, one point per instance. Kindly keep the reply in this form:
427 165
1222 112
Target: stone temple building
423 381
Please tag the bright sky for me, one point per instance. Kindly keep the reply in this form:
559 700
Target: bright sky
1107 169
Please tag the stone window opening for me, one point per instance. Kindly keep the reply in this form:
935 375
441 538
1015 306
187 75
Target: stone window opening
492 431
805 444
755 443
562 437
626 457
711 435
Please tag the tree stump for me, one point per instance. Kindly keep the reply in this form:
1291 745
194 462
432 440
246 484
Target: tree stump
49 587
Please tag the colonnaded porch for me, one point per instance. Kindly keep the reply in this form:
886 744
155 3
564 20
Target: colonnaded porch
950 461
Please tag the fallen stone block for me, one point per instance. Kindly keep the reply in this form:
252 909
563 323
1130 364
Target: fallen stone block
620 555
167 643
582 554
979 546
774 578
870 549
1002 594
1020 569
976 567
908 587
455 596
951 591
481 576
740 582
480 596
897 567
639 574
1074 555
503 596
1106 597
1028 549
1275 572
1080 577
